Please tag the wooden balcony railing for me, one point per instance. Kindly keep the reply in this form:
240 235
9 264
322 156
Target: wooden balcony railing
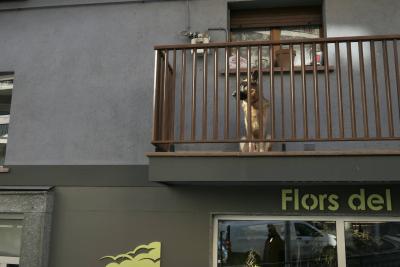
318 90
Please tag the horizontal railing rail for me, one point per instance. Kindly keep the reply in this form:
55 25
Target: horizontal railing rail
270 42
306 90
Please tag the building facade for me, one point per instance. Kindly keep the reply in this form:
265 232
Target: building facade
104 152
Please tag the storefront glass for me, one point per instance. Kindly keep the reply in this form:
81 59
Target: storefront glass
276 243
10 242
372 243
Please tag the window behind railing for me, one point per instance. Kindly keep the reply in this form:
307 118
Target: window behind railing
6 88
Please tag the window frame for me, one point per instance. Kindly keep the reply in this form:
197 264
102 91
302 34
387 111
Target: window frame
286 18
35 206
5 119
283 17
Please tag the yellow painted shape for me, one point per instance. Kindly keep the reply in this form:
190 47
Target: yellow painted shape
152 258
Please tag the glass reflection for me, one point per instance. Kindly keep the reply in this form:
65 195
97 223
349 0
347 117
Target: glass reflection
250 35
372 243
276 243
10 242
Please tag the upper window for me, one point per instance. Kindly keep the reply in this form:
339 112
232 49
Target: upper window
277 24
6 87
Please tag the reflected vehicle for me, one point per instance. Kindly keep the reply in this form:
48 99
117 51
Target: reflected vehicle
307 242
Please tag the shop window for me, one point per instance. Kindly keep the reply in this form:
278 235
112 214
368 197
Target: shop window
6 88
258 241
276 243
277 24
372 243
10 241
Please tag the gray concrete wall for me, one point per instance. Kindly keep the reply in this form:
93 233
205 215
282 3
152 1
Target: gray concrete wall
84 78
84 70
361 17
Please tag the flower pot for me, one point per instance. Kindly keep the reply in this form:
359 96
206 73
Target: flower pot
283 58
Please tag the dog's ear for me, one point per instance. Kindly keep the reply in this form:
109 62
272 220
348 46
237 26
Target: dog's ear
254 76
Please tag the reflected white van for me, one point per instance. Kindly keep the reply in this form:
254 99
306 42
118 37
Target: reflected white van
306 241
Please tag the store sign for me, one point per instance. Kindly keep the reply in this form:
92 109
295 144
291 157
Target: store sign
295 199
142 256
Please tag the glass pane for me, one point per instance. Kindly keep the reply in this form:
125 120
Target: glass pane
250 35
6 87
372 243
10 241
276 243
301 32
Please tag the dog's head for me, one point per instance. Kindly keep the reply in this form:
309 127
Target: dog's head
243 93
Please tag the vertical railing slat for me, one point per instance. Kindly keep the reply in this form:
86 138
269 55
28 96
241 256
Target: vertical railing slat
226 98
156 95
249 135
173 92
272 88
237 92
304 90
327 91
339 89
164 98
194 93
282 99
351 90
160 98
397 74
363 89
375 89
292 94
216 105
205 94
183 97
260 93
316 94
388 88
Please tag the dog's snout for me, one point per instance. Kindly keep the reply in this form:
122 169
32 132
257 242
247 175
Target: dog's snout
234 94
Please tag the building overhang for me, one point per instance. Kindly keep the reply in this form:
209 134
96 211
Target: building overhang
277 167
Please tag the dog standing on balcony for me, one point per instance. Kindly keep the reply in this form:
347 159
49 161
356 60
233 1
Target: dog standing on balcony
259 112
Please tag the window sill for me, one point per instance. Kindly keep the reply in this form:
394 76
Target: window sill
4 169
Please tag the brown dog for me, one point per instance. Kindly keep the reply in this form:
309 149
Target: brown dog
259 111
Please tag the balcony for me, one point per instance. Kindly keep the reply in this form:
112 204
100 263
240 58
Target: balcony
329 94
328 97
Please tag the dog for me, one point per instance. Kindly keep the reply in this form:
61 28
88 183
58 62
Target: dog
259 111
